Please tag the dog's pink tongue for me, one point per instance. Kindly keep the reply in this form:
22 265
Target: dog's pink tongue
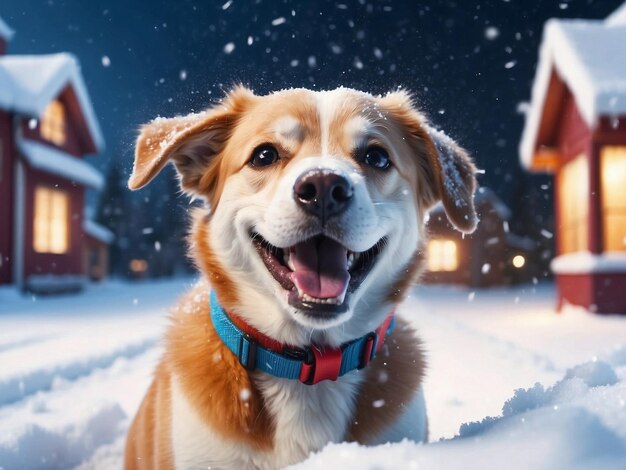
321 268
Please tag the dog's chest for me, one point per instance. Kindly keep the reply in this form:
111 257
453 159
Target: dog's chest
306 418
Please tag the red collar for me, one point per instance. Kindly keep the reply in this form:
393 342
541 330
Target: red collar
324 363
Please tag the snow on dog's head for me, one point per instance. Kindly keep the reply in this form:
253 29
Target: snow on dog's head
315 203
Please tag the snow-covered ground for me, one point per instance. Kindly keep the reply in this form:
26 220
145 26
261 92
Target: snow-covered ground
510 383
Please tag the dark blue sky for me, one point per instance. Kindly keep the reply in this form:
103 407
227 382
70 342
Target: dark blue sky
469 63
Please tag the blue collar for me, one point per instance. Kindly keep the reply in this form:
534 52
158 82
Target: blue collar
310 365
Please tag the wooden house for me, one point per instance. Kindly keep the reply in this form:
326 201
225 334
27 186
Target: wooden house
576 129
491 256
47 127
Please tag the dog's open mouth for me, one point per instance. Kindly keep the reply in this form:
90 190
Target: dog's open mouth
318 273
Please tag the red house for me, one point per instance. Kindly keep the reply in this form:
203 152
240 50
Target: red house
47 127
576 129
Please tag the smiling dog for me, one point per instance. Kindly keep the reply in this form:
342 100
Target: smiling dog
309 238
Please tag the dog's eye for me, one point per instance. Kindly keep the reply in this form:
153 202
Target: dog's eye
377 157
264 155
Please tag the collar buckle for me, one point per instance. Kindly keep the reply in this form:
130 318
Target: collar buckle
247 352
326 365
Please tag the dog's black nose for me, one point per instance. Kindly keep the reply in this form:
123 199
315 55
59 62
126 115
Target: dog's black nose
323 193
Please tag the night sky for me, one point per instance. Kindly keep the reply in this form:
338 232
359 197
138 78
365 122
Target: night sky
470 64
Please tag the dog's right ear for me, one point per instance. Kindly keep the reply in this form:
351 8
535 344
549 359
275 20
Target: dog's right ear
191 142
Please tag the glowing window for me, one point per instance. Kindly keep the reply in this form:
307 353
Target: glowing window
51 223
442 255
574 205
53 123
613 177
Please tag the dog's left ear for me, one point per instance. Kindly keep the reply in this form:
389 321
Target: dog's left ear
193 143
448 171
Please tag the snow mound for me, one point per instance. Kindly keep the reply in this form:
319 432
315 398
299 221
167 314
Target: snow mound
578 423
39 447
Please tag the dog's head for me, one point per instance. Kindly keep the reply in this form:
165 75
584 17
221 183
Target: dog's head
315 203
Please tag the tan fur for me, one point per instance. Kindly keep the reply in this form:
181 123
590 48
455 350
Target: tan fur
212 379
208 149
393 377
149 438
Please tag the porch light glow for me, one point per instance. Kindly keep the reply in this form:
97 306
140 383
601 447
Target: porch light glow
138 266
442 255
519 261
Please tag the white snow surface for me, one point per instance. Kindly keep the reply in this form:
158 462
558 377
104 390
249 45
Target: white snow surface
29 82
510 383
588 55
46 158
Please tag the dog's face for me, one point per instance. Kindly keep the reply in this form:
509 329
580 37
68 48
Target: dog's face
315 203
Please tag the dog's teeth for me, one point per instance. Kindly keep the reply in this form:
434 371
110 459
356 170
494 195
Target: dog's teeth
352 258
314 300
288 260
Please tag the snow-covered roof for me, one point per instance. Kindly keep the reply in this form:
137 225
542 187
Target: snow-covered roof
29 83
5 31
618 17
584 262
588 55
97 231
51 160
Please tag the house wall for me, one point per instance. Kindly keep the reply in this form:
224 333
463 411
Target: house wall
488 248
597 292
95 258
77 143
49 263
72 144
7 157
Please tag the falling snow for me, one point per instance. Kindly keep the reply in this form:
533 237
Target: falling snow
492 33
278 21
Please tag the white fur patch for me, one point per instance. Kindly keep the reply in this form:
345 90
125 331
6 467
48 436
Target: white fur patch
306 419
289 131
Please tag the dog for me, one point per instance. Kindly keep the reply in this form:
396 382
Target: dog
309 238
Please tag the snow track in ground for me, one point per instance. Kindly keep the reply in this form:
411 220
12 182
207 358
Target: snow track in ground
74 369
503 386
64 426
62 364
